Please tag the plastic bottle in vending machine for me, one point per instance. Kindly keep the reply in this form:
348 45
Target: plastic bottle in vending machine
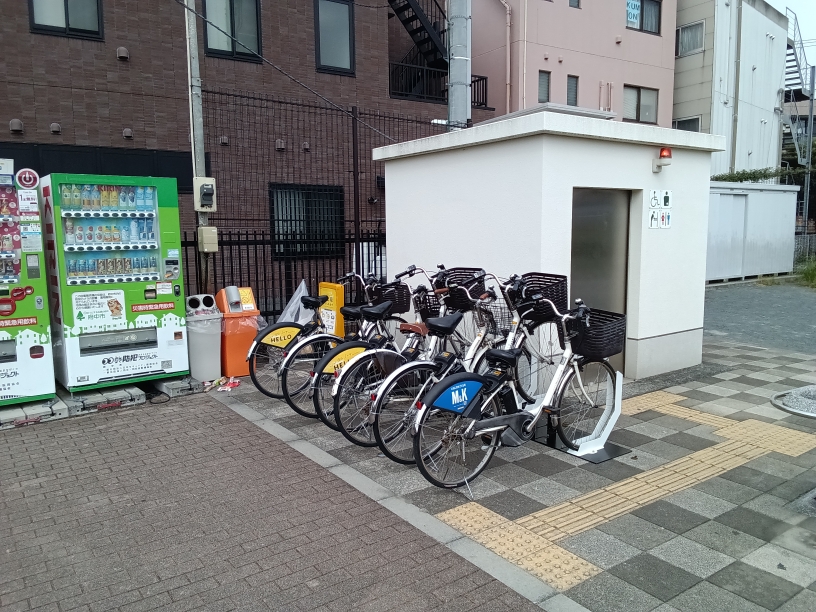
66 202
82 267
86 198
80 234
131 198
142 231
96 198
72 268
76 197
104 198
89 234
150 198
69 231
124 233
116 235
154 266
137 265
107 235
134 230
91 266
113 197
123 198
140 198
149 230
145 265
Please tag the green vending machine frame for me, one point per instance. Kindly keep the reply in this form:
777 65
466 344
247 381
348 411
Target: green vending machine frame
116 282
26 356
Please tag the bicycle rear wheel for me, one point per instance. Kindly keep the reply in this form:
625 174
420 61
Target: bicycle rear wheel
266 358
296 378
397 407
582 405
352 402
444 456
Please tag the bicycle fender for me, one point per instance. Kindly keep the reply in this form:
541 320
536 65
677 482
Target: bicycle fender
459 393
337 358
390 359
276 334
390 378
293 349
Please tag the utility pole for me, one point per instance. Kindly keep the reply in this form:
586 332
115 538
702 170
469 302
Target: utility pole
809 145
196 129
459 105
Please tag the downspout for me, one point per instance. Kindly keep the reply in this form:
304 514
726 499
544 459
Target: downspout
507 56
735 118
524 71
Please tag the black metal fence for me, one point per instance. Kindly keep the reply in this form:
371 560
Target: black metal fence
299 196
415 82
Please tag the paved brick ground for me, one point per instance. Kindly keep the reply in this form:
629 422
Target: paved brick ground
188 506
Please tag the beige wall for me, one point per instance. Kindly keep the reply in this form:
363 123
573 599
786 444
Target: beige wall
693 74
568 41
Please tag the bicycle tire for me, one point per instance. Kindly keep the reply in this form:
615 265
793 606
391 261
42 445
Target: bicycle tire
297 377
580 413
396 409
353 404
326 371
437 434
265 360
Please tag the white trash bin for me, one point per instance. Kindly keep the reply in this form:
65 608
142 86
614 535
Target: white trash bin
204 337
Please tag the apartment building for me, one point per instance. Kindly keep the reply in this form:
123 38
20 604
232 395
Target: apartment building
614 55
730 78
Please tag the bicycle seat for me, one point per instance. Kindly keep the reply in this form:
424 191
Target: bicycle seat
414 328
444 326
508 358
376 313
313 303
351 313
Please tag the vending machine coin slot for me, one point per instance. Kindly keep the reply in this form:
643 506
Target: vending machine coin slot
171 269
8 351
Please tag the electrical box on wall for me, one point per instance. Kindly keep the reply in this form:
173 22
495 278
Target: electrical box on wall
204 199
207 239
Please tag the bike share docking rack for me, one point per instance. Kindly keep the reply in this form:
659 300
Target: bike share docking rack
595 447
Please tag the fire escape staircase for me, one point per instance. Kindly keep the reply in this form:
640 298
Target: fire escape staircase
798 90
425 22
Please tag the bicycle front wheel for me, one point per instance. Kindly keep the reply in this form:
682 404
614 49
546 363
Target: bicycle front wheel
443 454
296 377
397 407
582 405
267 356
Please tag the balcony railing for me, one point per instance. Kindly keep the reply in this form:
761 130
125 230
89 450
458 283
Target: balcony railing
411 82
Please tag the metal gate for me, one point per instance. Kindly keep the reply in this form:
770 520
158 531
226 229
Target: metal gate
299 197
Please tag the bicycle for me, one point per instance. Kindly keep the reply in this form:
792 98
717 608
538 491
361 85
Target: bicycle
461 421
299 359
498 323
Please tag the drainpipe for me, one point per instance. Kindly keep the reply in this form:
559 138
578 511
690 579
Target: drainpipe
524 70
735 118
507 56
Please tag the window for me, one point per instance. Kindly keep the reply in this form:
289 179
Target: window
572 90
308 220
543 86
334 29
692 124
643 15
239 18
639 104
81 18
689 39
575 3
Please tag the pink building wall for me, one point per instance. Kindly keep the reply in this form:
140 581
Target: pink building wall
569 41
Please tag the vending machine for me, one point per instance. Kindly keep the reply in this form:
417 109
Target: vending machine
115 279
26 357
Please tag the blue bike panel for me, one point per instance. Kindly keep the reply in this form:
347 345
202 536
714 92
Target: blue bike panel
455 393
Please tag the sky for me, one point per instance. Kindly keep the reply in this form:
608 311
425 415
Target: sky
806 12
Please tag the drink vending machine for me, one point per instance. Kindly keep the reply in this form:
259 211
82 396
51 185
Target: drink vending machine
26 359
115 278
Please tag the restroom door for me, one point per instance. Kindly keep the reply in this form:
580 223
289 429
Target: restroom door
600 250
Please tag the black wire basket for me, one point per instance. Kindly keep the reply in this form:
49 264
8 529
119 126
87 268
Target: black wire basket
496 317
427 306
552 287
457 299
605 336
399 296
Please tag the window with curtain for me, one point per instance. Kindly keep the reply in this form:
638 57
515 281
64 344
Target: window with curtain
639 104
692 124
334 29
575 3
689 39
543 86
239 20
307 220
80 18
572 90
643 15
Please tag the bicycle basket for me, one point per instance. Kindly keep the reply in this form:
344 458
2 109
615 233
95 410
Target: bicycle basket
604 337
457 299
550 286
399 296
496 316
428 306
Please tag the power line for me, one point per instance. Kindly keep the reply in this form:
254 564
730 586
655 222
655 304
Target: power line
282 71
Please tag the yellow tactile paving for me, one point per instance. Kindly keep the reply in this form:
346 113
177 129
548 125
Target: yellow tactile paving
530 541
558 567
649 401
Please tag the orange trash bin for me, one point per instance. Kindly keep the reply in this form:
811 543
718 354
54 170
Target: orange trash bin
240 328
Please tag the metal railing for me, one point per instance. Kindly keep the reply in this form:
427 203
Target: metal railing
411 82
795 36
